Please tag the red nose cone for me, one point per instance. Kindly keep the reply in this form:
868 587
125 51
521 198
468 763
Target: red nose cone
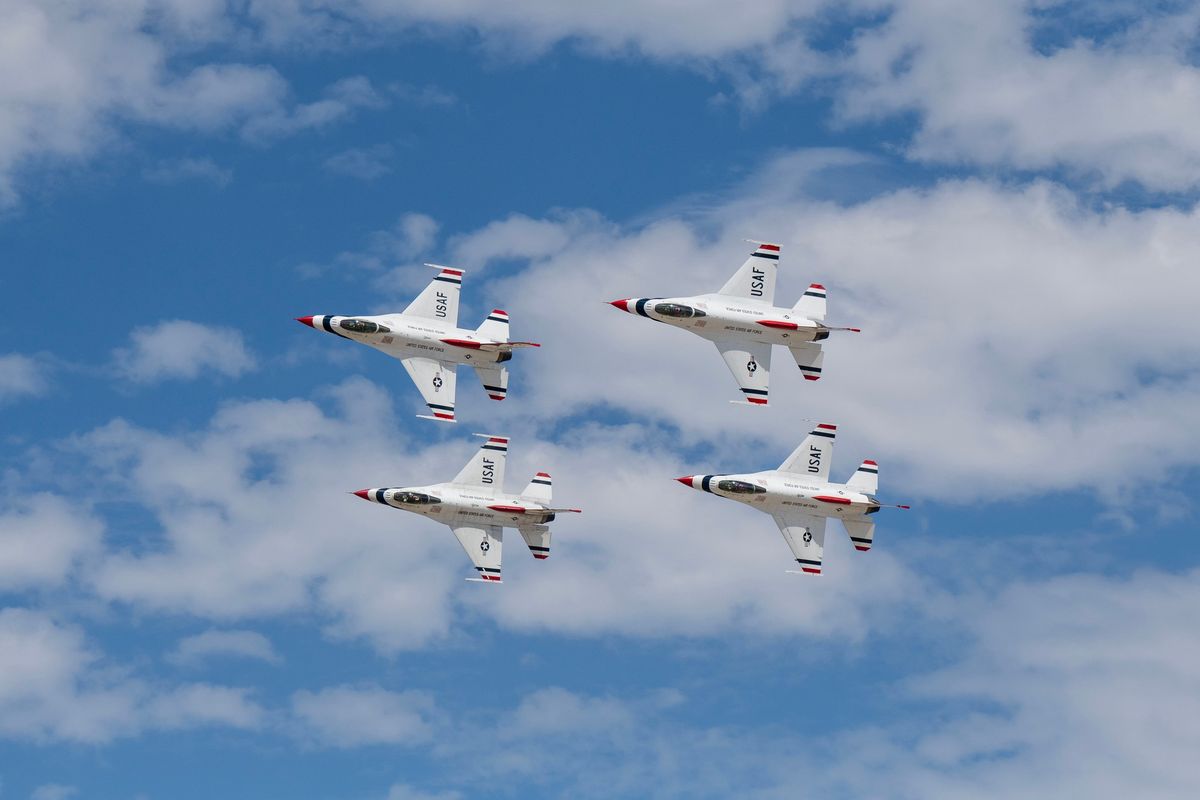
687 481
621 304
306 320
361 493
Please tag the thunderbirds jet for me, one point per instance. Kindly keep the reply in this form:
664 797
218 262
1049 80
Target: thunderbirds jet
427 340
800 497
476 508
743 322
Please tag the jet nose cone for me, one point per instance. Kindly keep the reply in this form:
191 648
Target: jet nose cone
621 304
687 481
306 320
361 493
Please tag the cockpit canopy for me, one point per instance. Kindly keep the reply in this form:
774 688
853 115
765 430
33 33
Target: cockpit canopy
362 326
740 487
415 499
677 310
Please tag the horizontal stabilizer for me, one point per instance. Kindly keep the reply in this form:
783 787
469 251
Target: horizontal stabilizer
862 533
538 539
809 357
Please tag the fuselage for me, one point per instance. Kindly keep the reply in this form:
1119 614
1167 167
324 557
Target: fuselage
403 336
454 504
776 492
721 317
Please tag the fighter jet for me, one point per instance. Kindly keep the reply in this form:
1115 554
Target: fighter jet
743 322
475 506
427 340
800 497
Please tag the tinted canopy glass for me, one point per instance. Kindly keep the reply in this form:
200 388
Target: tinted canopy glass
739 487
677 310
414 498
361 326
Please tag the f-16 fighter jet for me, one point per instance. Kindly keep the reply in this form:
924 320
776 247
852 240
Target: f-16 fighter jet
800 497
476 508
743 322
427 340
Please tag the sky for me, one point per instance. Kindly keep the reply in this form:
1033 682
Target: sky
1002 195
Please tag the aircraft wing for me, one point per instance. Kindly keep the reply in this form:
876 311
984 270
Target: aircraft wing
750 363
435 380
483 544
805 534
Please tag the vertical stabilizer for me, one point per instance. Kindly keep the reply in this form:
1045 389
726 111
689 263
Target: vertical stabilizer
812 303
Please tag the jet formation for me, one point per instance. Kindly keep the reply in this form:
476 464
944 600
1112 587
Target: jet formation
740 319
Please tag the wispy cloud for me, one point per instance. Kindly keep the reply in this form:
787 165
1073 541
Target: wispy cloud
182 350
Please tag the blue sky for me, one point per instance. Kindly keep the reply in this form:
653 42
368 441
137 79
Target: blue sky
1001 196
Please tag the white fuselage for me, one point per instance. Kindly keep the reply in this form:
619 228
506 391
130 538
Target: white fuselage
719 317
403 336
456 504
778 493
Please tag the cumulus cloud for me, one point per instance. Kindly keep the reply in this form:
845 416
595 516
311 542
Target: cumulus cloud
1077 686
987 313
56 687
21 376
354 716
224 644
998 85
75 74
42 537
182 350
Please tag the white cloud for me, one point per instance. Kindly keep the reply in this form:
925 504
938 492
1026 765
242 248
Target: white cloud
53 686
229 643
989 85
403 791
356 716
182 350
1121 108
53 791
364 163
1012 331
41 538
21 376
74 76
188 169
1079 686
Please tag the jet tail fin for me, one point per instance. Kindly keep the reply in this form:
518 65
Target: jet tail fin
539 489
866 478
812 303
495 327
